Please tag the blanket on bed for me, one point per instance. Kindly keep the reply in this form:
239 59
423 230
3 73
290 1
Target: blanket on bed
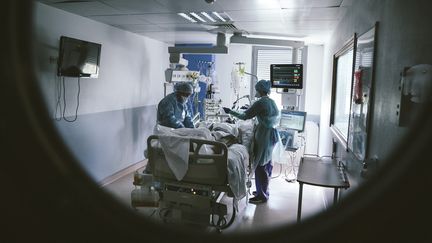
175 144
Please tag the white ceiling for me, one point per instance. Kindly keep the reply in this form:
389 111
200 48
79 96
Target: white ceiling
308 20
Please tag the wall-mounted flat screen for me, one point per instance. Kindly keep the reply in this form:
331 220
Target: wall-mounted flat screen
287 76
78 58
293 120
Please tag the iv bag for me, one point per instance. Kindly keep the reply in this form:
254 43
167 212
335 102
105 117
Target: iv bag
235 79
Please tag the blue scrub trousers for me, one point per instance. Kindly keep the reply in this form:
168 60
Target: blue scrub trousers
262 179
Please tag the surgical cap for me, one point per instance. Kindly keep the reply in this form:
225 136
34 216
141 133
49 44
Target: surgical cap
263 86
183 87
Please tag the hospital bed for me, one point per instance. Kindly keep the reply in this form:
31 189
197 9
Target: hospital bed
195 199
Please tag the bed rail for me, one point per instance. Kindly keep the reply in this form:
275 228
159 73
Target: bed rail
204 169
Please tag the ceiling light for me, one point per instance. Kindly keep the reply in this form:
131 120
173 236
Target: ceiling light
197 16
187 17
208 16
218 15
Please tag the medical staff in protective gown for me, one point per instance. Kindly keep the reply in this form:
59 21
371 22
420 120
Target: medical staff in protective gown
173 111
265 138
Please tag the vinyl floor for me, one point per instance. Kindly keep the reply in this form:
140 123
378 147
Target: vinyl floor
279 210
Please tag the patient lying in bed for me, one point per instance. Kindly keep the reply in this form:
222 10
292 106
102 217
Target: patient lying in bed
175 144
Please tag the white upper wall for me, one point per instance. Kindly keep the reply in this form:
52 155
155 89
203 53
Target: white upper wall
314 75
325 138
131 67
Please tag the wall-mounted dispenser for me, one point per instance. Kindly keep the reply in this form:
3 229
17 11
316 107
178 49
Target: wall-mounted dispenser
415 86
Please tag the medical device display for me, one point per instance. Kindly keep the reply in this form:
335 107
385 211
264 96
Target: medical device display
293 120
78 58
181 75
288 76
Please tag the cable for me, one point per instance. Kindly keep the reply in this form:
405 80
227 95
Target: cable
280 172
58 84
222 223
64 101
151 215
291 167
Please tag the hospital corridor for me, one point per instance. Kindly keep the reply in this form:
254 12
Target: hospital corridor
216 120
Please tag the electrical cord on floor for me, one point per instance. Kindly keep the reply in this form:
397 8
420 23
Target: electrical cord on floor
293 166
64 101
291 170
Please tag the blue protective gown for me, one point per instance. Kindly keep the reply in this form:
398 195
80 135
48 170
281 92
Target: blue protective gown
265 133
174 114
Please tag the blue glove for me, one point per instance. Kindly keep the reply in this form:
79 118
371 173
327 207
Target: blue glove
227 110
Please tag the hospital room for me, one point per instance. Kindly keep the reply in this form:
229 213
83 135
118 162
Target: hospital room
230 119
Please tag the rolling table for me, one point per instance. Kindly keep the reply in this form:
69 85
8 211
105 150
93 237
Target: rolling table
320 172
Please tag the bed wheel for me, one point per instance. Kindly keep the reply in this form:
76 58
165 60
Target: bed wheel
221 223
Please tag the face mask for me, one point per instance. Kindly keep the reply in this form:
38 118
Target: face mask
257 95
183 99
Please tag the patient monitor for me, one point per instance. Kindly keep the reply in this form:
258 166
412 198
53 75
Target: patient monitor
291 123
293 120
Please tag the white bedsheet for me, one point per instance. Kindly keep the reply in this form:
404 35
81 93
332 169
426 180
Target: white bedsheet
175 144
176 150
238 159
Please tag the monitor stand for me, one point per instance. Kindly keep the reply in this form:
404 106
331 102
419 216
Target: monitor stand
289 101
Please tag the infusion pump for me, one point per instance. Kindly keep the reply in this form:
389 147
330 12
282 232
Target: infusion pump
180 75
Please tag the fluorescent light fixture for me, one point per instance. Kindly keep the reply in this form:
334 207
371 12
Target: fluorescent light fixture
218 15
208 16
187 17
197 16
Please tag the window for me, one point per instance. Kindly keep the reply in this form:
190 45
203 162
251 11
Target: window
263 57
341 96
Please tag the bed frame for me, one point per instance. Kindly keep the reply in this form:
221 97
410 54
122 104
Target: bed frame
194 199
